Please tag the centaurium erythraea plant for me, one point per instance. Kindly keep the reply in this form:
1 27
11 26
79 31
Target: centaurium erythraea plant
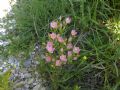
59 49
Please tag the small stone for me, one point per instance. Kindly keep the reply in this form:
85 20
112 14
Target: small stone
36 73
30 81
37 87
18 88
1 68
16 75
35 84
19 84
5 63
27 63
12 77
37 62
23 70
22 76
12 71
26 85
27 75
43 88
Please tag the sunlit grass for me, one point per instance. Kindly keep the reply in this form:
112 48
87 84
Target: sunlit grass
4 81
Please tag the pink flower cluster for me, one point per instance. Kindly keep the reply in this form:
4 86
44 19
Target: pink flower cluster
50 47
54 36
60 50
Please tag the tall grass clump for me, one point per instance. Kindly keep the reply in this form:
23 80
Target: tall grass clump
4 81
97 25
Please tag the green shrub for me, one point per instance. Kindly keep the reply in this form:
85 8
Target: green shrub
98 64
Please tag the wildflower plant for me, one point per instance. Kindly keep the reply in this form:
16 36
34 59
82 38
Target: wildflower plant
61 50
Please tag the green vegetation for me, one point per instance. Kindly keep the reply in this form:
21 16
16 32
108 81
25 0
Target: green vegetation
4 81
98 23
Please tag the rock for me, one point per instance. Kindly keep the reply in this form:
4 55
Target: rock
23 70
26 86
37 87
18 89
12 71
16 74
36 62
43 88
5 69
36 73
30 81
22 75
27 75
12 78
19 84
34 83
27 63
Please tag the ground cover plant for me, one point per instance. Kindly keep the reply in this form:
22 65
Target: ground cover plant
4 81
95 26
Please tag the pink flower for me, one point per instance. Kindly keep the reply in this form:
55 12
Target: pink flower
75 58
48 59
60 39
68 20
49 44
49 47
53 36
69 53
73 32
69 46
54 25
76 49
63 58
58 63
